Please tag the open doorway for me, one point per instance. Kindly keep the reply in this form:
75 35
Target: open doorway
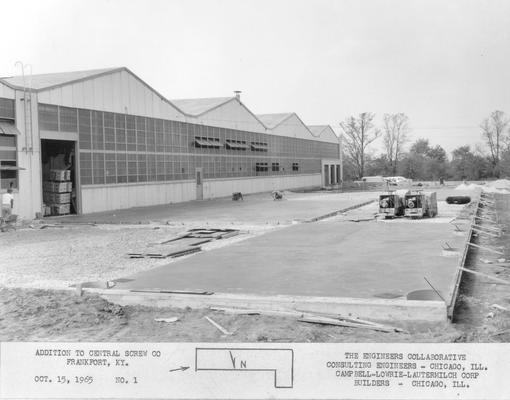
59 177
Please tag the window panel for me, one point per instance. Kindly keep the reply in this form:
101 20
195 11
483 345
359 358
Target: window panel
84 129
160 167
121 168
140 134
48 117
98 168
85 168
151 135
142 167
110 168
8 179
120 132
68 119
97 130
151 167
132 164
7 108
130 133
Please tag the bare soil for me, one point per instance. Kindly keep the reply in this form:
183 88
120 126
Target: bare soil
478 313
48 315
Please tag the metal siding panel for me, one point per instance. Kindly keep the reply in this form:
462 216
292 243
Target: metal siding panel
67 95
6 92
107 83
87 93
99 88
118 93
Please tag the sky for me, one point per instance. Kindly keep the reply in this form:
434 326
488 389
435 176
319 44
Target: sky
446 64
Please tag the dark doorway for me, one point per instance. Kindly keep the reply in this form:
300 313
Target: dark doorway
59 177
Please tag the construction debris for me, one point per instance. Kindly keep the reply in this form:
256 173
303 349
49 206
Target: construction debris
347 324
207 235
319 318
218 326
172 319
174 254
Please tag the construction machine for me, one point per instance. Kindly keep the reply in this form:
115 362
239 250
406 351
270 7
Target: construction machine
420 204
391 204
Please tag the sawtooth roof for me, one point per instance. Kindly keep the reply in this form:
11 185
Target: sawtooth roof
317 129
45 81
201 105
273 120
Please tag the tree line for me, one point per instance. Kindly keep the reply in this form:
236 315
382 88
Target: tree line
421 160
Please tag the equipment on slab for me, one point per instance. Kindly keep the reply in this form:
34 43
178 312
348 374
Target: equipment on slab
458 199
391 204
277 195
237 196
420 204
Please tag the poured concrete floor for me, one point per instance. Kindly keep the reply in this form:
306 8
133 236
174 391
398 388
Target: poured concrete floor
334 258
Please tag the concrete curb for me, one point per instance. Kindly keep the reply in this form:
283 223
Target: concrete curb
383 310
334 213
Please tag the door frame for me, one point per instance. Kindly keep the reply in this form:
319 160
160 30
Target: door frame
199 183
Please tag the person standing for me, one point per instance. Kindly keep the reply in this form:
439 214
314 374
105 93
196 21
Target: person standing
7 204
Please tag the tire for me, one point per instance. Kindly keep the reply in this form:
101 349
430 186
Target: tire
458 199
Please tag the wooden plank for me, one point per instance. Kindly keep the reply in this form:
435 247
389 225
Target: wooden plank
218 326
181 253
347 324
200 292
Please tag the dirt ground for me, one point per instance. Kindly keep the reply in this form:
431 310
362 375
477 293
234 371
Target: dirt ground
29 314
478 313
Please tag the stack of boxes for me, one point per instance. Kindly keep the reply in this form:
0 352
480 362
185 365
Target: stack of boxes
57 193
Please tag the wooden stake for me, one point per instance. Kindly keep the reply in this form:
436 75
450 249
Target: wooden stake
485 276
485 248
477 230
489 228
487 219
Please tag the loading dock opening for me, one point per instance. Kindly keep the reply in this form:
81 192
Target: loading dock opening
59 155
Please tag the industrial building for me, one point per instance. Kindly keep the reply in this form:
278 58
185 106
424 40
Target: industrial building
126 145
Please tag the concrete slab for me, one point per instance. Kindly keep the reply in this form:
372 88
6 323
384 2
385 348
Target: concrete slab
334 264
328 259
255 209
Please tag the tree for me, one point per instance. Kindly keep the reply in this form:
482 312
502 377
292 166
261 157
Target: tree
378 165
359 133
468 165
396 130
424 162
421 146
493 131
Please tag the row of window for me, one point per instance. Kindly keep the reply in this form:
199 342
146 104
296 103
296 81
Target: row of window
230 144
99 130
110 167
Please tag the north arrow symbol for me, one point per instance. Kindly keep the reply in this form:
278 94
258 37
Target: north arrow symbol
179 369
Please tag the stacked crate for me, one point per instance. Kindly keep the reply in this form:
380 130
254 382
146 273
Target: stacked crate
57 192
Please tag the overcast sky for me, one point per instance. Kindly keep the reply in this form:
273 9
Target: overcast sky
446 64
